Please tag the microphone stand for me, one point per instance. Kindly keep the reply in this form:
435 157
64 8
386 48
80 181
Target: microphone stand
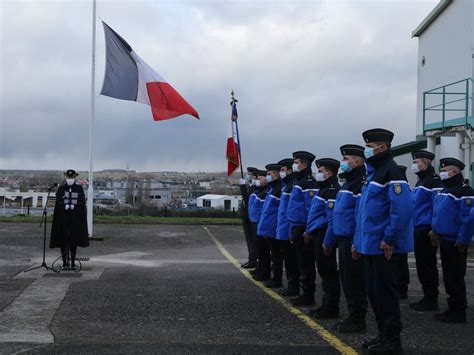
44 221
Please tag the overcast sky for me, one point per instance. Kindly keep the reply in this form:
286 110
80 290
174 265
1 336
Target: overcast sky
309 75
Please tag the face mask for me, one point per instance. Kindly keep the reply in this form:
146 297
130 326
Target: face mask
70 182
444 175
247 177
369 152
414 168
295 167
282 174
319 176
269 178
258 183
345 168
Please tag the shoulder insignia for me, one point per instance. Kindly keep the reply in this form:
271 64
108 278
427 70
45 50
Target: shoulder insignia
331 204
468 201
311 194
397 189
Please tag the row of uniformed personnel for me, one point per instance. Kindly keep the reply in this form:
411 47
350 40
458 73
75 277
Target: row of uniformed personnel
297 218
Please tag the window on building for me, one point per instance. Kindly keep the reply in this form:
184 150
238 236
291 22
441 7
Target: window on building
227 205
206 203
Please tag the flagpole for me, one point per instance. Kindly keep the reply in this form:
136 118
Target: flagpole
234 103
90 190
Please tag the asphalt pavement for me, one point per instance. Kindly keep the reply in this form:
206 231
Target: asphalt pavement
176 289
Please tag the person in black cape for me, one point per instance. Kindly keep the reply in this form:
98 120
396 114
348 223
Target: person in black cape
69 228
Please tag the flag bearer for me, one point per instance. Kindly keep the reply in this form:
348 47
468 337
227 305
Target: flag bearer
341 230
319 216
453 227
384 231
424 192
247 187
302 194
283 231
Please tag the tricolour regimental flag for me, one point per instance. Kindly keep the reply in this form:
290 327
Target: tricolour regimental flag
232 152
128 77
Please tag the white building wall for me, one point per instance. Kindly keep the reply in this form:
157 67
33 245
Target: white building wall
447 47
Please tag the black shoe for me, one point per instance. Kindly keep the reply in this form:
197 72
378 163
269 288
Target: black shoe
262 277
451 317
425 304
73 266
65 266
353 325
389 344
303 300
250 265
325 313
254 272
366 344
290 291
274 283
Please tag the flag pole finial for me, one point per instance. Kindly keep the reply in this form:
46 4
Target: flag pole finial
233 100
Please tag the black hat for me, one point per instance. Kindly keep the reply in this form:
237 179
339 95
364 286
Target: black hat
328 162
271 167
261 173
422 154
352 149
451 161
377 135
304 155
251 169
286 162
403 168
71 173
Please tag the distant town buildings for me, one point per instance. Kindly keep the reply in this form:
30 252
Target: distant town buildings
224 202
115 188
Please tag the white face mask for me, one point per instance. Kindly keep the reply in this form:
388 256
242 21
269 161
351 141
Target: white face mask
282 174
444 175
258 183
295 167
319 176
70 182
415 168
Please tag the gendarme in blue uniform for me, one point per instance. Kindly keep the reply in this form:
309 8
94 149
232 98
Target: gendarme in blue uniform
453 222
385 208
301 196
267 224
283 225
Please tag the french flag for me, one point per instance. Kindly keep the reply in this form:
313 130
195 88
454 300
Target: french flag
128 77
232 149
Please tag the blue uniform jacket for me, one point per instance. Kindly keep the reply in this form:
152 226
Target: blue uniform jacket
424 193
385 208
343 223
256 200
269 217
302 194
322 205
283 225
452 211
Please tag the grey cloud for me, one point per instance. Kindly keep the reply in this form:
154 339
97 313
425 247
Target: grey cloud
309 75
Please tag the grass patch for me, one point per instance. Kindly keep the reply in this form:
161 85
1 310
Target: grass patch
135 220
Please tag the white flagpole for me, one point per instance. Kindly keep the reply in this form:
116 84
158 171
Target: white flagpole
90 190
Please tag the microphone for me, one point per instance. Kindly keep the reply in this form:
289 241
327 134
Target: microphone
53 186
